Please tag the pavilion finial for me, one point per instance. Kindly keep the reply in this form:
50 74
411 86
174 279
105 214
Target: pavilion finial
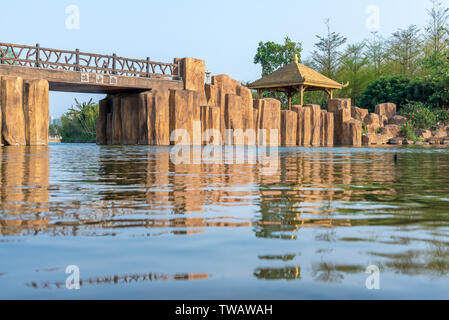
295 58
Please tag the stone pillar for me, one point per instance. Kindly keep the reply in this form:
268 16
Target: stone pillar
116 127
300 115
246 108
154 117
130 119
184 110
37 112
352 133
289 128
210 120
269 120
341 108
193 74
315 139
387 110
13 118
105 107
329 129
307 127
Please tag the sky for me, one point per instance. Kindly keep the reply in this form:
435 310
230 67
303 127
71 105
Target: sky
223 33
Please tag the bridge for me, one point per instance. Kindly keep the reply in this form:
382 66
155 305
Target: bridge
76 71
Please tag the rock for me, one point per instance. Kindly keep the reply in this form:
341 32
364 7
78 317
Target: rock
383 121
359 113
391 130
396 141
399 120
255 117
372 122
445 141
341 108
225 85
246 108
419 143
210 125
439 133
386 109
269 120
184 112
13 118
105 108
156 112
306 127
408 142
289 127
300 114
212 95
352 133
194 72
37 112
374 139
424 134
434 140
233 117
315 139
130 119
328 129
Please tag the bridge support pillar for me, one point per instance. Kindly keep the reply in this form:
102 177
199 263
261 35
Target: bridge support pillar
24 111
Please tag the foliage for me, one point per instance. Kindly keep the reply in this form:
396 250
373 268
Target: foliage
409 131
385 89
442 116
80 123
327 55
271 56
53 130
420 115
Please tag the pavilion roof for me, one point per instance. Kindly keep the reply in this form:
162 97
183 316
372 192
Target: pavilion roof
295 74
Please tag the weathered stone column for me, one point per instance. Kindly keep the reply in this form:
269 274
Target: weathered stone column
36 112
341 108
300 115
270 120
158 117
184 110
289 128
116 127
193 73
130 119
13 118
104 109
307 127
315 140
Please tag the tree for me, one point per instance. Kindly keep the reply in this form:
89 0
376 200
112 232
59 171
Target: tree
437 27
375 52
326 57
80 123
404 50
271 56
354 70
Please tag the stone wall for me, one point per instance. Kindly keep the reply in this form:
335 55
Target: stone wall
24 111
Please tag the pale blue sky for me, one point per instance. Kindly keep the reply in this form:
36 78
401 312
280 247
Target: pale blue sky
223 33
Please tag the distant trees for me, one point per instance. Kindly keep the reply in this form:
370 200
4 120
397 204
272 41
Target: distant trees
79 124
378 67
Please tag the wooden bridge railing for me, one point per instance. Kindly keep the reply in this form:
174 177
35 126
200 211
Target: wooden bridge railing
37 57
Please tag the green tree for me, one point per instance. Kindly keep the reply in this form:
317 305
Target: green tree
375 52
437 27
79 124
271 56
404 50
326 57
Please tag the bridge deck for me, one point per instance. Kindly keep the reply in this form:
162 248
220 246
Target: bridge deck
71 81
76 71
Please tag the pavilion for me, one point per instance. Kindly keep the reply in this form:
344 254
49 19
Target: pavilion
296 78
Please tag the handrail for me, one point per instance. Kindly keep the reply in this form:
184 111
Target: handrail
47 58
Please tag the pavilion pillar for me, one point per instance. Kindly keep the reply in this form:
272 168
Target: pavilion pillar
259 94
289 95
301 95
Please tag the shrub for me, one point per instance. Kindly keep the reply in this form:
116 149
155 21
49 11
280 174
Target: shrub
419 114
409 131
442 116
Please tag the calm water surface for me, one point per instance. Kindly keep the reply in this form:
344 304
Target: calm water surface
140 227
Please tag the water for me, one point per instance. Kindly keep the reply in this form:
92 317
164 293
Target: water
140 227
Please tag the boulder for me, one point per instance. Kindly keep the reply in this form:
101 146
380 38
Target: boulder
383 121
300 114
289 127
233 116
359 113
372 122
352 133
341 108
13 118
36 111
396 141
374 139
445 141
439 133
434 140
424 134
212 95
391 130
386 109
399 120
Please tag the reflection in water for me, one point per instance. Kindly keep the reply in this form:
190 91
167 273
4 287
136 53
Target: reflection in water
123 280
390 214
